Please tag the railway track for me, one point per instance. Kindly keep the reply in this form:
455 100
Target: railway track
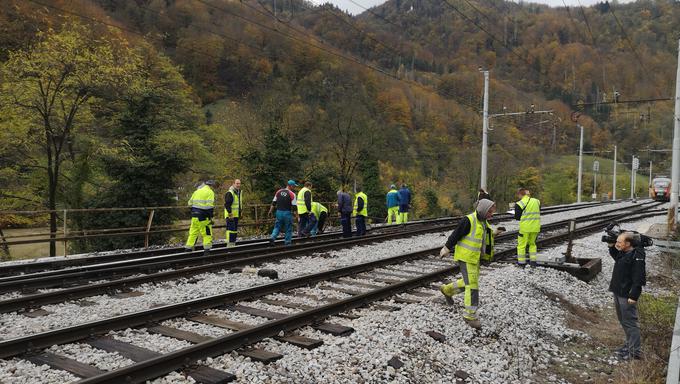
251 245
397 275
78 283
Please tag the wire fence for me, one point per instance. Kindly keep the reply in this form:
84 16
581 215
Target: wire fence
135 226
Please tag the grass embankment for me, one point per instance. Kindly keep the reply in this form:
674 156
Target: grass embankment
604 175
590 360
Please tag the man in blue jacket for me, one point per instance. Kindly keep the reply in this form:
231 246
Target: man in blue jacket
345 212
404 204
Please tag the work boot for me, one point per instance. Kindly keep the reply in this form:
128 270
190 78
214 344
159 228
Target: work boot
206 252
630 356
622 351
533 264
271 242
520 265
449 299
474 323
188 249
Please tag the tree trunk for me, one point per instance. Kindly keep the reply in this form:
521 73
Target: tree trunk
52 206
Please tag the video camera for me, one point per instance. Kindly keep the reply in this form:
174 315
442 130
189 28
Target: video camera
613 231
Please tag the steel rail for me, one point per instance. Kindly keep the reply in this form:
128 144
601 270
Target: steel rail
32 267
32 343
196 255
149 369
50 279
152 368
85 290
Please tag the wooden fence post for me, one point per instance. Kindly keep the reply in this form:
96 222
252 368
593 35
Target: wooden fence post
65 231
148 227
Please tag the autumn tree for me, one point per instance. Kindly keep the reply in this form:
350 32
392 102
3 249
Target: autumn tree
54 87
153 138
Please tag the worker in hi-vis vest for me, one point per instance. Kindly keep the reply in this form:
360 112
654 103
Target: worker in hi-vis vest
472 243
304 209
360 211
202 203
528 212
233 201
318 217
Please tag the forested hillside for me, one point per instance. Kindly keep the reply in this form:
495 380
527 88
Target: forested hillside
129 103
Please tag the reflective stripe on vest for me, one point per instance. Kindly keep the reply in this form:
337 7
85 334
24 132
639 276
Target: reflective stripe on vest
301 207
469 248
364 210
203 198
235 203
530 221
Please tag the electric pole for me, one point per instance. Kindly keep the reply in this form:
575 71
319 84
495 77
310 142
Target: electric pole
675 176
614 179
580 165
634 165
485 131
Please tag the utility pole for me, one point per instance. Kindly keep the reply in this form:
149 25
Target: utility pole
485 131
614 180
596 168
634 165
675 176
650 173
580 165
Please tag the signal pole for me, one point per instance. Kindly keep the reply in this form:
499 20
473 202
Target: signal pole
675 174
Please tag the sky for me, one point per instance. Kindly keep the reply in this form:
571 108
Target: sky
352 7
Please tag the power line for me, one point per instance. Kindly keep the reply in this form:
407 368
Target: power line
624 101
466 17
630 44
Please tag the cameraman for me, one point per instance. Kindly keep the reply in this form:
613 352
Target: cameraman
628 278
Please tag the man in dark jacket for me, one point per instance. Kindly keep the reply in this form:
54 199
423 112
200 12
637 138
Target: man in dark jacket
628 278
404 204
345 212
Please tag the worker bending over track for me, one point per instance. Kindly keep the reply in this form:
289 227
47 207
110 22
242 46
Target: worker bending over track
472 242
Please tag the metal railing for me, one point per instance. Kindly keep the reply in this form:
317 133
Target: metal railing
254 218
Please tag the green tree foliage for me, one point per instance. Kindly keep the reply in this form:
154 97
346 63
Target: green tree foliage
154 139
54 87
375 192
559 186
530 178
271 163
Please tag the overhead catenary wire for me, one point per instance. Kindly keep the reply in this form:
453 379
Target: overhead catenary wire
493 37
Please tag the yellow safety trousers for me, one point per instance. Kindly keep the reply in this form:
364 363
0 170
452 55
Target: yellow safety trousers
202 227
523 240
394 211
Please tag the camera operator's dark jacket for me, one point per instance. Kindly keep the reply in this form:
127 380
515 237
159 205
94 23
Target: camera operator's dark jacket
629 272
